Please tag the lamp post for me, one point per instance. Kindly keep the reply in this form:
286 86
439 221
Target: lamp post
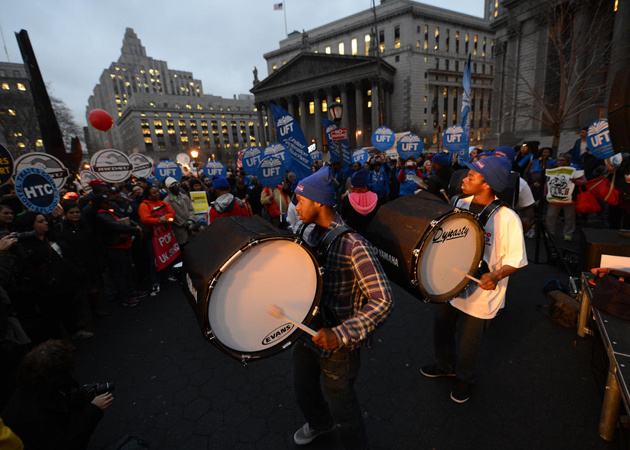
336 112
356 140
194 154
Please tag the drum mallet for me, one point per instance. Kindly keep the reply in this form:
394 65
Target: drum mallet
278 313
461 272
443 192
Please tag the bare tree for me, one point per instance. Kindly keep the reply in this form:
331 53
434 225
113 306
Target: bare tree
562 63
65 118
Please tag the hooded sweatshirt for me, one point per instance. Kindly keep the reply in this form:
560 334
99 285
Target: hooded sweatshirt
227 205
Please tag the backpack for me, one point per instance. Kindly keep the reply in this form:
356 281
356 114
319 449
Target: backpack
563 309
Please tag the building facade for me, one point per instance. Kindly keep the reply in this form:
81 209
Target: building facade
19 127
544 95
162 112
410 61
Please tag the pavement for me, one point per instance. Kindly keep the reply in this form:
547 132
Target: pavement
540 385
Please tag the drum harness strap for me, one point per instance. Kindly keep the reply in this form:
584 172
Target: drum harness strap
487 212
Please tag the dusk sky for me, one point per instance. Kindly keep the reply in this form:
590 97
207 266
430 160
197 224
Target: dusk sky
220 42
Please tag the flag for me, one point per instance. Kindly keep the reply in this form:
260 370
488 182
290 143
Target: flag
277 6
465 122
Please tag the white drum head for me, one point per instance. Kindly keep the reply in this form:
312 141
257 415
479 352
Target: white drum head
274 272
456 242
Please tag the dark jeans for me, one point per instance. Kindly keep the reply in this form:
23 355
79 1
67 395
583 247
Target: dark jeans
448 321
338 372
122 271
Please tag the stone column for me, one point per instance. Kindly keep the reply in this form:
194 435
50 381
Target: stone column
375 94
304 116
291 106
317 131
345 119
329 100
271 129
262 135
358 104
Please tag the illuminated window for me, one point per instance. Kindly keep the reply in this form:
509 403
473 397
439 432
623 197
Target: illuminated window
11 112
426 59
311 108
425 99
21 144
342 48
397 37
39 143
369 103
367 44
381 40
353 45
274 67
327 51
188 106
5 86
324 106
437 38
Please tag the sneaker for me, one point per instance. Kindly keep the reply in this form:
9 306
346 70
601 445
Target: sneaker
306 434
82 334
130 302
155 290
433 371
140 294
461 392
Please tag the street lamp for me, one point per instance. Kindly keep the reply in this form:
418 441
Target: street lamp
358 133
194 154
336 112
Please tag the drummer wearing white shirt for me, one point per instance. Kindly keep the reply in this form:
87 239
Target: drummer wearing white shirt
472 311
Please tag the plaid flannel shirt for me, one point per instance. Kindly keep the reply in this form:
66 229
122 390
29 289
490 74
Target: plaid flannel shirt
354 287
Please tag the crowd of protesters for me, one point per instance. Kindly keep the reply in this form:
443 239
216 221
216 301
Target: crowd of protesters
97 246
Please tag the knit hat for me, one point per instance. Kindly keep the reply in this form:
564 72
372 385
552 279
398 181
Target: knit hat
221 183
506 152
169 182
360 178
96 181
495 171
318 187
443 159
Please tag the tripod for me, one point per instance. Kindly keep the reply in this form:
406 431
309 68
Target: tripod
551 246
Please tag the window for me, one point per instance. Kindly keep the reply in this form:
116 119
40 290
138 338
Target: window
426 37
425 98
396 37
16 73
342 48
353 45
5 86
21 87
426 59
327 50
466 48
311 108
475 46
437 63
483 51
274 67
448 38
447 64
457 42
437 38
367 44
381 40
324 105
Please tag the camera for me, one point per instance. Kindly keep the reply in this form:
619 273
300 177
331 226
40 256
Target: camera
25 235
96 389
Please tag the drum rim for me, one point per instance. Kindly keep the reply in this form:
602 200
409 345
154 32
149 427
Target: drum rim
416 256
294 335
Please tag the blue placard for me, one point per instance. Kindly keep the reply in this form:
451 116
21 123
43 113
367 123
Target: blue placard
151 180
281 152
454 139
383 139
6 165
360 156
251 160
410 146
214 169
598 139
316 155
167 168
36 190
271 171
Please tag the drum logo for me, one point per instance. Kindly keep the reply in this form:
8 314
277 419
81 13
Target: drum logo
277 334
443 236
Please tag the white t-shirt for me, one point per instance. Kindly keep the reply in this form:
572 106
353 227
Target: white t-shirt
525 196
504 245
559 185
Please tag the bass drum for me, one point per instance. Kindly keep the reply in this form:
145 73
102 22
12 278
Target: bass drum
234 270
420 240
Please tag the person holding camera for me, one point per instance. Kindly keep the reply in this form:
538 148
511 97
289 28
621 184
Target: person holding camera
49 410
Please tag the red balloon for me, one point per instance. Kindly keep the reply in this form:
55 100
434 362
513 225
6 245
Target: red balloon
101 120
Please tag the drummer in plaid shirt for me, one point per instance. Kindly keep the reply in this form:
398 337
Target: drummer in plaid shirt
356 299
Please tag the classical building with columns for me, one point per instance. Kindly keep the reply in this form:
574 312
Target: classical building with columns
162 112
410 61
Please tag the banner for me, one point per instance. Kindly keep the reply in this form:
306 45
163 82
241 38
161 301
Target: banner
337 147
165 247
598 139
292 137
6 165
462 154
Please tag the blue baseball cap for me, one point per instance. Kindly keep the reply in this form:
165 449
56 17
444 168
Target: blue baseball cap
495 172
506 152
